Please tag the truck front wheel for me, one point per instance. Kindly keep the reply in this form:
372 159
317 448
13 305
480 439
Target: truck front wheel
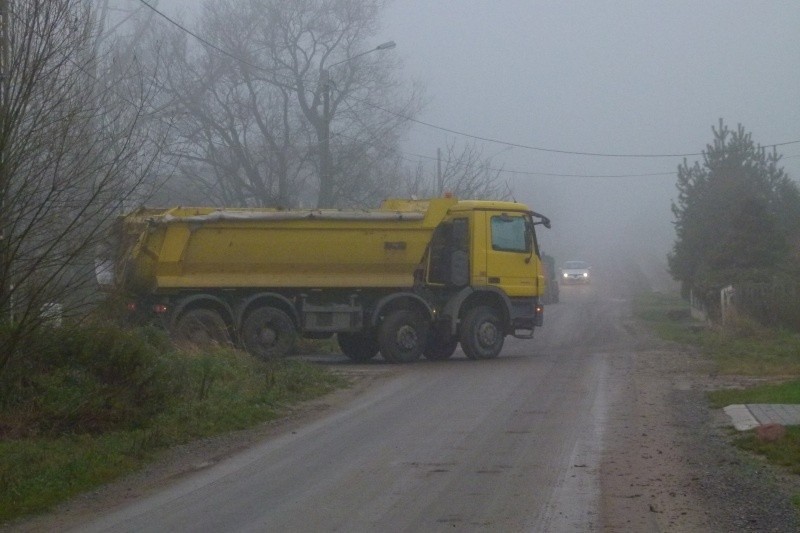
202 328
268 333
402 336
482 333
358 347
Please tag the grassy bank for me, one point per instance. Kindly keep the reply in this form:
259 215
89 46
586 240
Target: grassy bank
743 348
94 404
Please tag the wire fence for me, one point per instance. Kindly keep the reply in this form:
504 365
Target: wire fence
772 304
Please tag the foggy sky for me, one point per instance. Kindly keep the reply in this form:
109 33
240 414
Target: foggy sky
618 77
607 77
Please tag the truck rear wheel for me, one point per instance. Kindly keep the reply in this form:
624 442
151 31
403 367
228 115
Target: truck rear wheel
358 347
482 334
402 336
268 333
202 328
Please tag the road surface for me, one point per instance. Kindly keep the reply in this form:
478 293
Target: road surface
573 430
512 444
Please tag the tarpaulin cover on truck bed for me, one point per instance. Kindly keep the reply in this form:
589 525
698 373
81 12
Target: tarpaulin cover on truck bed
292 215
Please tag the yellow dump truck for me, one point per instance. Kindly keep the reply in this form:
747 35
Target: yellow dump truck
412 277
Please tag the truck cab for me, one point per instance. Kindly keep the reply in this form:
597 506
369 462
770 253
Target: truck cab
484 257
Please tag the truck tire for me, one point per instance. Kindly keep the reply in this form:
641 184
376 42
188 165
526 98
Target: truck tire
201 328
268 333
482 334
440 347
402 336
358 347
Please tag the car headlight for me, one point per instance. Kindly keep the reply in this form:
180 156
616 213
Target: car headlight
565 275
585 274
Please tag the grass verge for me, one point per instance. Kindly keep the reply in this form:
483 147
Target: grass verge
668 316
784 452
745 348
741 348
79 421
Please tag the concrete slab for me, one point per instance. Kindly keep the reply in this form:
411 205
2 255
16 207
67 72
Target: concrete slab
786 414
741 417
752 415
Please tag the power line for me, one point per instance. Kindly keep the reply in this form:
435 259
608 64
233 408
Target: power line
551 174
199 38
541 149
419 157
450 130
519 172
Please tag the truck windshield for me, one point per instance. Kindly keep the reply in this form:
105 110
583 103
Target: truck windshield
509 235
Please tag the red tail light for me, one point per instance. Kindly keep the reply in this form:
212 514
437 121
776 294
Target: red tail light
131 306
159 309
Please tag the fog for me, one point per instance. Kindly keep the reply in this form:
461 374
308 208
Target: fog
626 79
635 78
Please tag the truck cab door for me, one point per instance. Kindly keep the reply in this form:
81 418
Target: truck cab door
511 260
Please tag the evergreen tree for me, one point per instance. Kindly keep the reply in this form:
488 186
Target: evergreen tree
737 215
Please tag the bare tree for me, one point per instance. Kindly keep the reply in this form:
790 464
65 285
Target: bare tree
76 142
367 109
464 172
236 134
250 103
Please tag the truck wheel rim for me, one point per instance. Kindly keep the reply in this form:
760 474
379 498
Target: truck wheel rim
407 337
267 336
487 334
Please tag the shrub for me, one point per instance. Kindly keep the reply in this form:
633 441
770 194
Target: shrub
88 378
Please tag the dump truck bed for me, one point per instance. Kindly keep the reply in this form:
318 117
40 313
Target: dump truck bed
183 248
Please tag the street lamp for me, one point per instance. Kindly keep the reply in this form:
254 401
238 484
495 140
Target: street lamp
325 186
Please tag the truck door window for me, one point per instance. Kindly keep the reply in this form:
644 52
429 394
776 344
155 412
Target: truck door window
509 234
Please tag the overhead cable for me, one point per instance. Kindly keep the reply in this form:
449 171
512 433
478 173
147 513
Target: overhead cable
451 130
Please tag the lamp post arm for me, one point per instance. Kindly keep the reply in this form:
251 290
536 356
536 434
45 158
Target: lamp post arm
384 46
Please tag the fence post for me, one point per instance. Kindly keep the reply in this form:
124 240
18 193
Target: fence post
726 305
698 310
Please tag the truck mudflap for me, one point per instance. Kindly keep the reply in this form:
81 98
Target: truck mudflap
523 325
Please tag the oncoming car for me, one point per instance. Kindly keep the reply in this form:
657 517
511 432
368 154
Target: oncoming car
575 272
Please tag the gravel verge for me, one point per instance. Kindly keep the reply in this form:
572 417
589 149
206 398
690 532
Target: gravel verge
670 464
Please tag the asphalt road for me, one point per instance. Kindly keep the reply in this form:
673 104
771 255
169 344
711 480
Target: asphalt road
511 444
592 426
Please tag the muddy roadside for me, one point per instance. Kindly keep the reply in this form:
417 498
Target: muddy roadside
669 464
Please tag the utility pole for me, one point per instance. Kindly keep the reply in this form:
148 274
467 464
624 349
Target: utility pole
325 185
439 179
5 81
326 175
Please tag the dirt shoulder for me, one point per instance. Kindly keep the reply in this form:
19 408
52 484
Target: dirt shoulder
669 463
